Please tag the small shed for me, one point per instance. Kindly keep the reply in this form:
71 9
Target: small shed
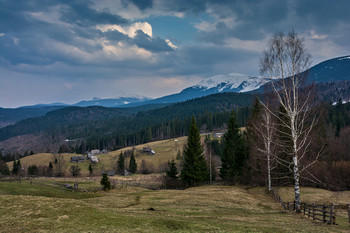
111 173
127 173
77 159
149 151
94 159
218 135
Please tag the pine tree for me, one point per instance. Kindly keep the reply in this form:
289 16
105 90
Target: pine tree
194 168
91 169
50 169
121 164
16 167
172 171
32 170
233 156
132 164
4 170
106 184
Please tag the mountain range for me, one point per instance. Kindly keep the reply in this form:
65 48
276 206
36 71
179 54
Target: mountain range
141 119
337 69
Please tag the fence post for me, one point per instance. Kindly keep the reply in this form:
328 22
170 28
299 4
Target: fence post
294 205
332 215
308 215
324 212
304 207
313 210
349 212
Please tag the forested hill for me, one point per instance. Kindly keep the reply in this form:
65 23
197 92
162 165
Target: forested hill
115 127
10 116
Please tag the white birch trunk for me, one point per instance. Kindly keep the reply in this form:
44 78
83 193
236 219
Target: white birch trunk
296 184
268 173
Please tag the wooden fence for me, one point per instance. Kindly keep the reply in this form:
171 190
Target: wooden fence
324 213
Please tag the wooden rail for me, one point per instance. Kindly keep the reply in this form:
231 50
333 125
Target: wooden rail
324 213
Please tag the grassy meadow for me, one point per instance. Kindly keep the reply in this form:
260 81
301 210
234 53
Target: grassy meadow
45 206
165 150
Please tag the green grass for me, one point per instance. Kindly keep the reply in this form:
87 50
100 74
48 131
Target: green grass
42 188
45 208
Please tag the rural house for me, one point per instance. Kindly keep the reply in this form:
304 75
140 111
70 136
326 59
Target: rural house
77 159
149 151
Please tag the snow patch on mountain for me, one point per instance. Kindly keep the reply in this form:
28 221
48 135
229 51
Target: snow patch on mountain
343 58
232 82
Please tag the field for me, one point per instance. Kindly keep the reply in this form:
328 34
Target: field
165 150
44 206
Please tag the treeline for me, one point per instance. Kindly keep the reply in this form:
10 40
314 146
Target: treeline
113 128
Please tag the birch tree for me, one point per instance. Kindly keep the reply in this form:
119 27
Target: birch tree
265 130
285 62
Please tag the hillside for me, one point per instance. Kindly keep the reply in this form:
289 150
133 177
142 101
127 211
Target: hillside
120 127
46 207
166 150
336 69
9 116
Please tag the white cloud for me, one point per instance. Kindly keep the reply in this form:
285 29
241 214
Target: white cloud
250 45
2 34
205 26
122 51
128 30
171 44
68 85
316 36
322 49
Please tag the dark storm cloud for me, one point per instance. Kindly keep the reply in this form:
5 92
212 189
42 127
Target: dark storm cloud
83 15
187 6
142 5
31 40
256 19
154 44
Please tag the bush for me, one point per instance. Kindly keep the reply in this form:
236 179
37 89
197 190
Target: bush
75 170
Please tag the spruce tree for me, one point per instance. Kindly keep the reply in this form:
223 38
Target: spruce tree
172 171
121 164
194 168
132 164
16 168
233 156
106 184
50 169
4 170
91 169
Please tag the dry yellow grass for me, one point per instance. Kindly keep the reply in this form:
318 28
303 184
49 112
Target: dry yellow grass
316 195
165 150
320 196
200 209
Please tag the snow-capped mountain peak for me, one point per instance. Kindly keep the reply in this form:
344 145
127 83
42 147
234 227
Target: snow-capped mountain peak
232 82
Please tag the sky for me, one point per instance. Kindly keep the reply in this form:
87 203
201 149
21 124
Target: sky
72 50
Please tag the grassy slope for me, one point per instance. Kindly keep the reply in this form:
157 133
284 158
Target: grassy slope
320 196
200 209
165 150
